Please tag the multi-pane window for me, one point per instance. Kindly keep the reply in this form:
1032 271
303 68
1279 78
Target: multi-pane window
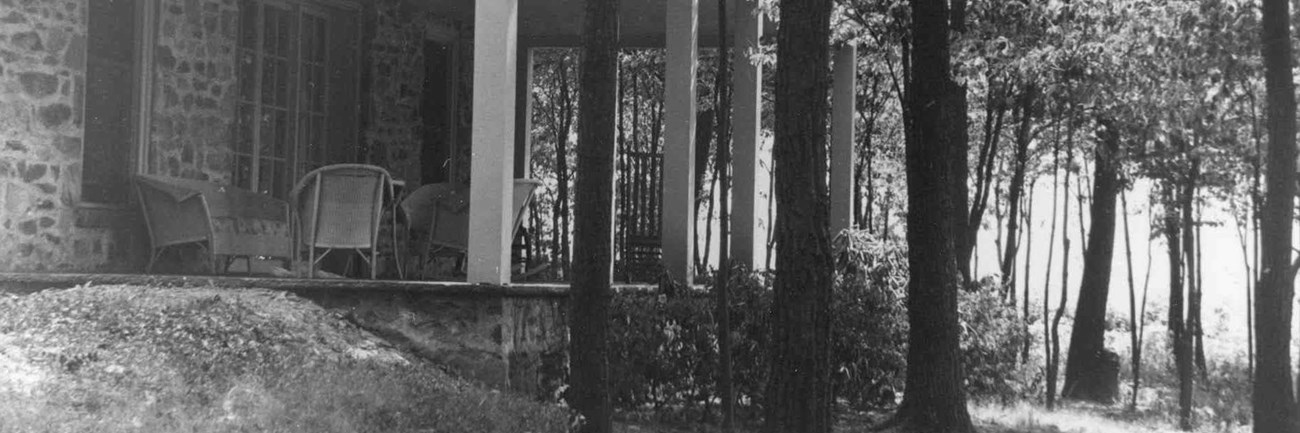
282 124
110 82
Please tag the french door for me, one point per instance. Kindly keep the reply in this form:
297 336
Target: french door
283 61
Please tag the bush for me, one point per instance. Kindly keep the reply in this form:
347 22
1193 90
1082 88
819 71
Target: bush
664 348
993 334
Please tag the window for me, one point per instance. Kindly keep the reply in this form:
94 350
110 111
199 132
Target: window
296 106
110 135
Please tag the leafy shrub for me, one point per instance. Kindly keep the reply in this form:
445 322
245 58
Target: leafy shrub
993 334
664 347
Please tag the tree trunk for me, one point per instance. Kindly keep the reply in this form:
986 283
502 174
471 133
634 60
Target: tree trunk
995 112
1017 187
1177 325
1086 368
934 398
1054 367
1029 255
594 241
1274 400
562 168
723 310
1134 322
1194 306
1049 396
799 397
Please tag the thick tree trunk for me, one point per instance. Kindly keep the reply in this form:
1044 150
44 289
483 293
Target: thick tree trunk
593 246
1086 368
1017 187
934 399
1274 400
799 397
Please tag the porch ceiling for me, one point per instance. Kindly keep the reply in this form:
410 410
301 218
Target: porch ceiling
558 23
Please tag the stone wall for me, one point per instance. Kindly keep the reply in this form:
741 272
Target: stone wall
194 89
42 80
396 132
396 83
510 342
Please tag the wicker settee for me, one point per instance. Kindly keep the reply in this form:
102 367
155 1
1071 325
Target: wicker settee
226 221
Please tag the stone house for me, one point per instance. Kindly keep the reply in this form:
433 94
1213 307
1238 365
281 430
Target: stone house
254 93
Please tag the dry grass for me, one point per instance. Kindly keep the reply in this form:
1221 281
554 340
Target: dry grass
118 359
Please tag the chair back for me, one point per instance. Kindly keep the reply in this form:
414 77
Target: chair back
441 210
340 206
524 189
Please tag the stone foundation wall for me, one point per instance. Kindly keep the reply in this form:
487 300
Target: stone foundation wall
517 343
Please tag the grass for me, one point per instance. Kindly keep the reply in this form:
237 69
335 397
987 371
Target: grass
123 358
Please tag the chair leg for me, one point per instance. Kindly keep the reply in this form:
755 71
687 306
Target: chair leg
153 259
311 261
374 262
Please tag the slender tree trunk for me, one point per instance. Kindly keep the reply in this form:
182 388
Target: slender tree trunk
1055 337
934 398
594 241
1135 345
723 310
1017 186
1029 255
1274 400
987 160
1085 368
799 396
1195 304
1146 289
1177 326
1049 396
562 166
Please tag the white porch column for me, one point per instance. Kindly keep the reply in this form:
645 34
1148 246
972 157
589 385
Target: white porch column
843 102
678 222
747 91
493 141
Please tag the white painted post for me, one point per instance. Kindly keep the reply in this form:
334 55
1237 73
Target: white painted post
843 101
747 241
493 138
678 222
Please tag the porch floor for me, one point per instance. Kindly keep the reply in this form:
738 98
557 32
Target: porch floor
20 283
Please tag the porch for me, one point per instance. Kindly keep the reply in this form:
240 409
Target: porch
245 93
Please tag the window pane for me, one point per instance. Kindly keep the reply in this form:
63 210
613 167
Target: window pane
243 175
244 129
247 24
110 97
247 75
283 135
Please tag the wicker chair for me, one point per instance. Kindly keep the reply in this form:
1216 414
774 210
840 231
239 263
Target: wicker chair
438 215
225 221
340 207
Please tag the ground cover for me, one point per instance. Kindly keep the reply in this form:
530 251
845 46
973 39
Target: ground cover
127 358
